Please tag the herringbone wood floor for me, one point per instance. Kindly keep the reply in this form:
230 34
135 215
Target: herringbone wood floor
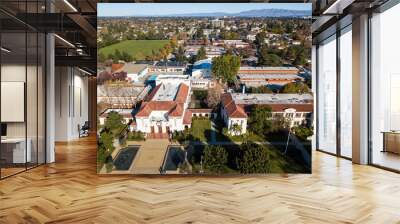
70 191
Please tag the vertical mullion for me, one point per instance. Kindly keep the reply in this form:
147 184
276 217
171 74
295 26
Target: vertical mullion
316 97
369 89
26 86
37 90
0 91
338 98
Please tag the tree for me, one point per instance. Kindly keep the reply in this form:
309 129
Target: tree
201 54
103 77
260 119
302 132
253 158
101 57
260 38
126 57
295 87
260 89
104 150
199 33
173 42
215 158
229 51
114 122
117 55
300 59
213 97
180 54
225 68
120 75
267 58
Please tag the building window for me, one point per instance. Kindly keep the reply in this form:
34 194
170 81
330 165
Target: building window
385 89
346 92
326 76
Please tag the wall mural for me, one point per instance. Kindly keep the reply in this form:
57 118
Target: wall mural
215 89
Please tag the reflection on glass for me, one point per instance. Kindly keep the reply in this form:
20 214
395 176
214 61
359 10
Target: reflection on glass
13 84
346 92
327 95
385 89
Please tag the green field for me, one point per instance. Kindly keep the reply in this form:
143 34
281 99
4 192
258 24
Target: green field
138 49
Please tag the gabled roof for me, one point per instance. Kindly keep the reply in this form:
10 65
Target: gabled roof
175 108
152 93
147 107
182 93
177 111
187 119
233 110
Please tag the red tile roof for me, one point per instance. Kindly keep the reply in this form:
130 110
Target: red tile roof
116 67
182 93
233 110
299 107
152 93
148 107
175 108
187 119
200 110
177 111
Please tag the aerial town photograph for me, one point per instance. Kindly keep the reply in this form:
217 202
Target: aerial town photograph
216 89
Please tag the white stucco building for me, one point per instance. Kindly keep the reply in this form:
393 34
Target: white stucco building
165 109
296 109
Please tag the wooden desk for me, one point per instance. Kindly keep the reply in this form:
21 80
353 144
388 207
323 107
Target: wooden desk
13 150
391 141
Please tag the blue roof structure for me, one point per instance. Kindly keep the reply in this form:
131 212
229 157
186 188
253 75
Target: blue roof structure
152 78
202 64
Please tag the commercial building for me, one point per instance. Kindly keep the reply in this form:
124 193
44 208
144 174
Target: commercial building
211 51
231 43
168 67
217 23
262 76
135 71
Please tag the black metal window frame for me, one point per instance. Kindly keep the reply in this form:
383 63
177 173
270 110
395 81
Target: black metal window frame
339 31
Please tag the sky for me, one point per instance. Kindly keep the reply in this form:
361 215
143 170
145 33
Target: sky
152 9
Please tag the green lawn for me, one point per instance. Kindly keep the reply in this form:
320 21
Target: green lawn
201 129
138 49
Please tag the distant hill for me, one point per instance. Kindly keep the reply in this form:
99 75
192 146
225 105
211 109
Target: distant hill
275 13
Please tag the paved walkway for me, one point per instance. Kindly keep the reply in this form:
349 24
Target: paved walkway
150 157
213 132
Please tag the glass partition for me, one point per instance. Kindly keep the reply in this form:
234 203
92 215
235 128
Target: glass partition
22 88
13 92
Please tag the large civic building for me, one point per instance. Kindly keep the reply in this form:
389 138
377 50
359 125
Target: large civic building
295 108
165 109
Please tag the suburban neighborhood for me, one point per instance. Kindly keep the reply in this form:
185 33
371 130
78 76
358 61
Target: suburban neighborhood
204 94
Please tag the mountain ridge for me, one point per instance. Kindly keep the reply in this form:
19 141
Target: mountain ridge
275 13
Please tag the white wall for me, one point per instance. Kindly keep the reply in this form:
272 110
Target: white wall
71 103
